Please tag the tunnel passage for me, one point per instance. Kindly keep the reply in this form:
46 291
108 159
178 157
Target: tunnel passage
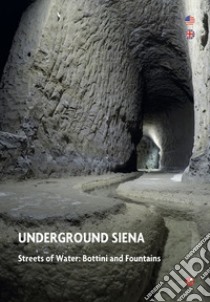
168 119
83 80
173 133
167 93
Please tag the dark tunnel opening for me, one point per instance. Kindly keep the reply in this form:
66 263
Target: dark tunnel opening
168 122
10 12
162 55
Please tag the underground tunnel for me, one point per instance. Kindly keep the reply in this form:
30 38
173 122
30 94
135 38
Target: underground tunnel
168 122
52 133
91 93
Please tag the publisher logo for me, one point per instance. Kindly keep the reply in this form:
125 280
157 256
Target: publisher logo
183 283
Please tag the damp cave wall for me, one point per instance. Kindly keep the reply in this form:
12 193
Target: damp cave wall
73 87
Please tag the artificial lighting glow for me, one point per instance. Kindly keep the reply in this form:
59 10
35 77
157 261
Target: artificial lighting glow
177 177
152 133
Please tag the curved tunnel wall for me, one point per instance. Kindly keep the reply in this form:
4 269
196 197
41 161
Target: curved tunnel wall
77 77
75 102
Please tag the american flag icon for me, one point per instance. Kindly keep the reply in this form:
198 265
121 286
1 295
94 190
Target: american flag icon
189 20
190 34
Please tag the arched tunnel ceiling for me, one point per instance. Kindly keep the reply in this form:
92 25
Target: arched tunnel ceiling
162 91
162 55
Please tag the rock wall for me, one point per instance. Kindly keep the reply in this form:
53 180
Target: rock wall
76 78
199 47
71 87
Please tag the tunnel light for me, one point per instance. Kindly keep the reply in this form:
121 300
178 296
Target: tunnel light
152 133
177 177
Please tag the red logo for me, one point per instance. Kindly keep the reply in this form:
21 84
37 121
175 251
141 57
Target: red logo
190 281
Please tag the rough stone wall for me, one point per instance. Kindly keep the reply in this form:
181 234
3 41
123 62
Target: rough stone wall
199 47
71 88
73 85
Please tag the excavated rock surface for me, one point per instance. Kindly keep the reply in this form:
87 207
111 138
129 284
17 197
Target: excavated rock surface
71 86
74 82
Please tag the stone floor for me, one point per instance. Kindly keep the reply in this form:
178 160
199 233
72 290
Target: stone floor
170 196
55 198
